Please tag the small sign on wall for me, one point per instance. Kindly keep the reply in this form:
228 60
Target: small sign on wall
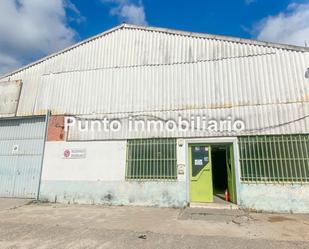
181 169
74 153
15 149
198 162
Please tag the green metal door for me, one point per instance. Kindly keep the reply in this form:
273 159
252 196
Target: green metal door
201 189
231 173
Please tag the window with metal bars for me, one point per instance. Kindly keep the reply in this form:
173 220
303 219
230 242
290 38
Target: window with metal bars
283 158
151 159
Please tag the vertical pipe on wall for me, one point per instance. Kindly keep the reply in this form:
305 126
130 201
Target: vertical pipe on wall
48 114
237 169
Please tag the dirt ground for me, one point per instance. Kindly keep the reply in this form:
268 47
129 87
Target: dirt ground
90 226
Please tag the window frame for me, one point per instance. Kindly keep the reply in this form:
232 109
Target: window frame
274 159
140 167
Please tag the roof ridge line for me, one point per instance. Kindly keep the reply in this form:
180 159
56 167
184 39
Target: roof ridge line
163 30
220 37
64 50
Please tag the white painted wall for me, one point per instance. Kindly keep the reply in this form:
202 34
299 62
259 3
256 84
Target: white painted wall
181 160
105 161
275 197
100 178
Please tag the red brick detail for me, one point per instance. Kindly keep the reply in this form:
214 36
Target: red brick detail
56 128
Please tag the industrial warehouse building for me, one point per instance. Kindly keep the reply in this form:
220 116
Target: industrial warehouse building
259 90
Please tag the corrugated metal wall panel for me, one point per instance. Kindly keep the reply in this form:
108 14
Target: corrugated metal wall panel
136 70
9 96
20 170
264 119
217 84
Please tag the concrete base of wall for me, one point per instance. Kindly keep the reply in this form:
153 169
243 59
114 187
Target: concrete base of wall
275 198
161 194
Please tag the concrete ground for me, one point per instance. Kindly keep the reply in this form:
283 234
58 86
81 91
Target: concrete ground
9 203
82 226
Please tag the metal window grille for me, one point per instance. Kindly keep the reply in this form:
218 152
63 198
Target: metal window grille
283 158
151 159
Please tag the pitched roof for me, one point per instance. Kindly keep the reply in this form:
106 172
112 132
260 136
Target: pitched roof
167 31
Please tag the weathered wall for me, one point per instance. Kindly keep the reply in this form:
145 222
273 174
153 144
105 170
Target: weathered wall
21 153
164 73
161 194
275 198
100 178
104 161
9 97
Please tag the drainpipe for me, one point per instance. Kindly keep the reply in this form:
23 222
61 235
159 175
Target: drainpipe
48 114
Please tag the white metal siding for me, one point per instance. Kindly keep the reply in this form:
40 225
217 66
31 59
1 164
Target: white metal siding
20 171
264 119
141 70
9 95
221 84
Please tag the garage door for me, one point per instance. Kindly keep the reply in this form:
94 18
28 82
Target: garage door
21 152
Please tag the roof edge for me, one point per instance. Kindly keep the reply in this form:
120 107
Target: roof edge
220 37
63 50
168 31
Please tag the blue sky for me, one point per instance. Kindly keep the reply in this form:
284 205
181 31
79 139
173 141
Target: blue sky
228 17
31 29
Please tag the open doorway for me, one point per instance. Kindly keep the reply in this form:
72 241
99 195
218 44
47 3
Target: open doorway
223 173
212 173
219 172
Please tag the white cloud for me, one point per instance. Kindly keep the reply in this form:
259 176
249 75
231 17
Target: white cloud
290 26
7 63
32 28
248 2
128 11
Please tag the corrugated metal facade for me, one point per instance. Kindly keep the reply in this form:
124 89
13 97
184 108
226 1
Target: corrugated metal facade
9 92
21 151
162 73
260 120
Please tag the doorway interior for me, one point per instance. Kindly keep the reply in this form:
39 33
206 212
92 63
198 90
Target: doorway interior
212 173
219 172
223 173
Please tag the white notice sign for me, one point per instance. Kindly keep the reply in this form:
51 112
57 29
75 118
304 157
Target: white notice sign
198 162
74 153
